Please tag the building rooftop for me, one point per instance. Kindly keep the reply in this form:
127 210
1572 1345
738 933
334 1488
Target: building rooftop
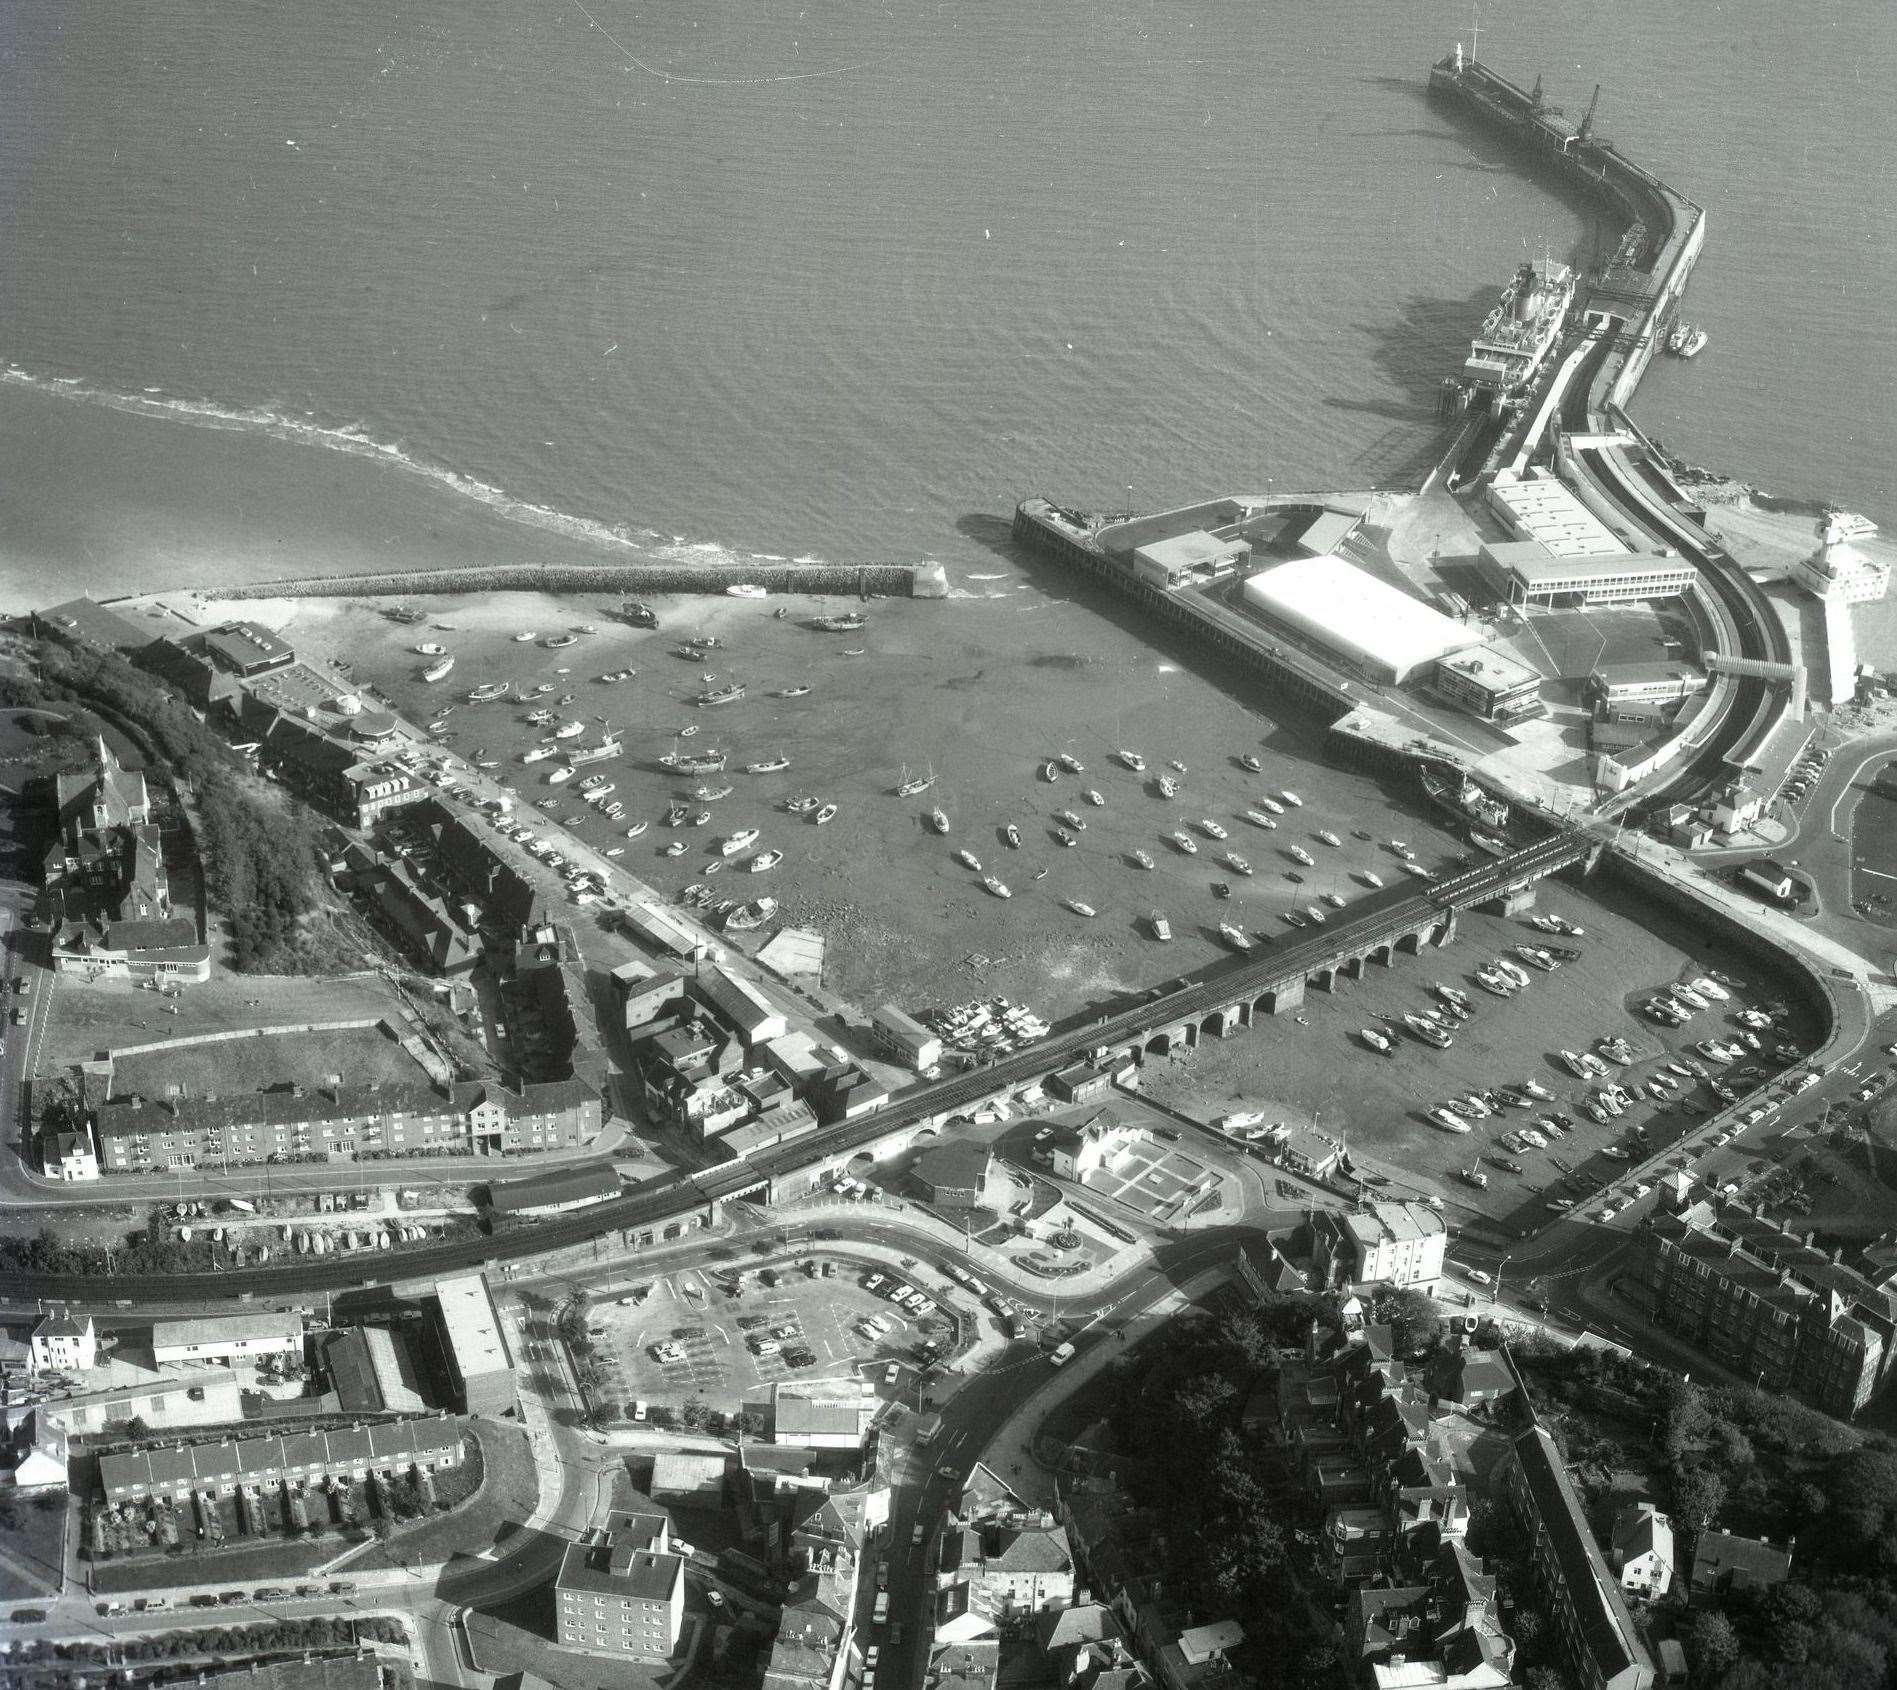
1493 670
812 1417
959 1165
1351 609
608 1569
244 645
1600 1612
473 1327
592 1182
204 1330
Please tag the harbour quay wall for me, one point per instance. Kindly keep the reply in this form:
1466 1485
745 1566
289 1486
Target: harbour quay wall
867 580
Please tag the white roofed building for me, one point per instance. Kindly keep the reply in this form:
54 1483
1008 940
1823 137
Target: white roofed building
1357 621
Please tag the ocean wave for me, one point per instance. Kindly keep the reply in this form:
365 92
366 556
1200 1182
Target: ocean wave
355 441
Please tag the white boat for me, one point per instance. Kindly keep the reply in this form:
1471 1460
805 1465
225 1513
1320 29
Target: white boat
539 753
766 860
743 838
525 637
615 850
430 648
675 849
1258 818
1168 787
1377 1041
827 813
1449 1121
1211 829
1272 805
1141 858
1302 855
636 829
1079 908
1370 877
1185 842
1092 796
1237 864
560 642
435 671
1162 928
1290 797
1133 760
559 776
996 887
1328 837
746 590
569 730
1071 820
748 916
968 860
769 766
1050 771
938 819
1235 936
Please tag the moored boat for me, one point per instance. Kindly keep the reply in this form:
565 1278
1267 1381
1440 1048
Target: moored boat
998 888
1132 760
435 671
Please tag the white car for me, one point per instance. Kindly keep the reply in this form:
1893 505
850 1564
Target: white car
1479 1276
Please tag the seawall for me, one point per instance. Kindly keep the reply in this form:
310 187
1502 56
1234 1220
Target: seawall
868 580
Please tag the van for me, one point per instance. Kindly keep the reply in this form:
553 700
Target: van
1062 1356
882 1607
639 1409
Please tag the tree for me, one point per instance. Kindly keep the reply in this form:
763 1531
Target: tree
136 1429
1416 1316
1698 1495
696 1414
1711 1645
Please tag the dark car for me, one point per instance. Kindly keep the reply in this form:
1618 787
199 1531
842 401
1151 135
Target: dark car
1169 1134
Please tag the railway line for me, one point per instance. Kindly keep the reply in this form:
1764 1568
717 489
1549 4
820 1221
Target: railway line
675 1200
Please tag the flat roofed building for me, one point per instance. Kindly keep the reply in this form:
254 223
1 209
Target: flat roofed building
1355 619
624 1592
905 1038
1491 684
226 1337
1188 559
86 620
1532 572
245 648
1618 685
1542 507
1328 530
812 1422
472 1347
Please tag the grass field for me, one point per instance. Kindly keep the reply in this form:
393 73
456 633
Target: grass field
509 1492
32 1548
257 1064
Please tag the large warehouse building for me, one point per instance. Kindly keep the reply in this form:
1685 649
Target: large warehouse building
1356 620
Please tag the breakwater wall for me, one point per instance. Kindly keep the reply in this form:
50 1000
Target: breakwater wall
866 580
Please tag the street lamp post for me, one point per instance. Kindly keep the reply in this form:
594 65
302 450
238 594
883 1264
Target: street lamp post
1495 1291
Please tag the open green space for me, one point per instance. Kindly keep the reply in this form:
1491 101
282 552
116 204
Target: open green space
32 1545
266 1061
509 1491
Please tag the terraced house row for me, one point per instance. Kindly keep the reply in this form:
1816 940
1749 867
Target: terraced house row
178 1471
470 1118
